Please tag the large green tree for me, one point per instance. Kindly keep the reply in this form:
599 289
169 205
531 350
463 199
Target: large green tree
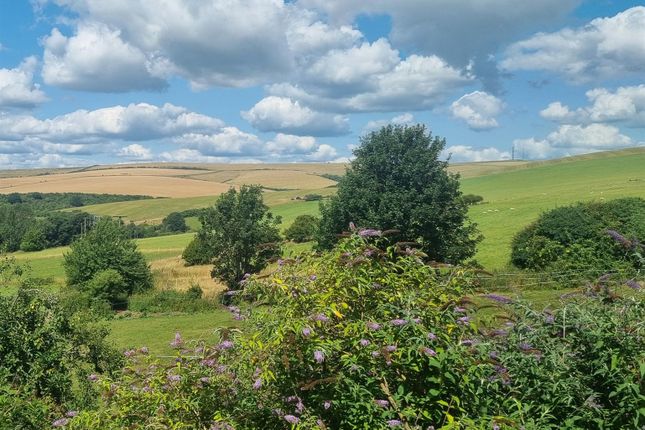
106 250
398 182
238 234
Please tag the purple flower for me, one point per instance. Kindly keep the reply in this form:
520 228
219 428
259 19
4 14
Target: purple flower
382 403
619 238
174 378
257 384
633 284
432 336
525 346
319 356
144 350
227 344
428 351
369 232
494 355
177 341
463 320
61 422
390 348
205 380
375 354
394 423
129 353
306 332
280 262
320 317
499 332
364 342
93 377
238 317
398 322
312 277
498 298
549 319
327 404
71 414
373 326
468 342
209 362
291 419
416 320
221 368
233 309
459 310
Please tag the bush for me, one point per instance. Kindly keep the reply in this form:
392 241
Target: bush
588 237
198 252
174 223
34 239
398 182
312 197
106 251
48 353
303 229
170 301
472 199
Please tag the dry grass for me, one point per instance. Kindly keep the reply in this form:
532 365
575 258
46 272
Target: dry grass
283 179
170 273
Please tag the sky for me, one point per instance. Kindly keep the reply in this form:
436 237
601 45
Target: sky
86 82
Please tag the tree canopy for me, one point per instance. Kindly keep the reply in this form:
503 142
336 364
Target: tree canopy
398 182
239 234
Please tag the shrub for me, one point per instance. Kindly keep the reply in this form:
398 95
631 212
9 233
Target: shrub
175 223
48 354
472 199
397 182
303 229
106 251
34 238
588 237
198 252
170 301
312 197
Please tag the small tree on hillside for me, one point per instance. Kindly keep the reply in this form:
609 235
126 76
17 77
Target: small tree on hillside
303 229
398 182
101 253
240 233
175 223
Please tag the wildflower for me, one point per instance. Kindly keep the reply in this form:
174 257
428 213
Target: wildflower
416 320
71 414
428 351
61 422
93 377
227 344
382 403
280 262
432 336
369 232
459 310
364 342
306 332
177 342
312 277
327 404
373 326
498 298
463 320
398 322
633 284
257 384
319 356
619 238
205 380
468 342
320 317
494 355
390 348
129 353
174 378
233 309
291 419
221 368
499 332
549 319
209 362
394 423
144 350
375 354
525 346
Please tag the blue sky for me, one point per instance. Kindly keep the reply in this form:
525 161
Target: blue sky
93 81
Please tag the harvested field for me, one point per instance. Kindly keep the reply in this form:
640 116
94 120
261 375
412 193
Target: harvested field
172 274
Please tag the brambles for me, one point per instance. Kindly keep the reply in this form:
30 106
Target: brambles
584 237
397 182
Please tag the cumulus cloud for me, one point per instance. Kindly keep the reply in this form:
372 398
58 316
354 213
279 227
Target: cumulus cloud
281 114
572 140
230 141
403 119
97 59
478 109
288 144
323 153
604 48
17 89
462 153
625 104
135 152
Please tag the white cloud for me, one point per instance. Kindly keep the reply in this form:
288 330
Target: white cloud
282 114
323 153
230 141
626 104
478 109
17 88
403 119
288 144
572 140
604 48
309 37
462 153
97 59
135 152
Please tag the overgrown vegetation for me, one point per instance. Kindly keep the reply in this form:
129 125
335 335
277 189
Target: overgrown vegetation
303 229
397 182
593 237
106 264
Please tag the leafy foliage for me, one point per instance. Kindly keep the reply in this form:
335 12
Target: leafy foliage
105 251
48 353
174 223
472 199
303 229
398 182
238 234
588 236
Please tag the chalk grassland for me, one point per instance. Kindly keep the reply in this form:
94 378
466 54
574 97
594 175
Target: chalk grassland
514 199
